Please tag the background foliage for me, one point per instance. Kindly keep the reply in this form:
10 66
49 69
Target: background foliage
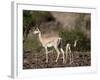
47 22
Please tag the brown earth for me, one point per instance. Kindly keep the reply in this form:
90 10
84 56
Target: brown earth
33 60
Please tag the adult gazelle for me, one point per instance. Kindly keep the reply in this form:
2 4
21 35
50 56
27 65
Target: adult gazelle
51 41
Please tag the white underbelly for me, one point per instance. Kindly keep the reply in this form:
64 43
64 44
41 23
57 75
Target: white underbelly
49 45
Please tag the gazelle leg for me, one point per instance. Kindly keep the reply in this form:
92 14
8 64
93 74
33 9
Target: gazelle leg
71 61
71 56
62 51
58 53
66 55
46 54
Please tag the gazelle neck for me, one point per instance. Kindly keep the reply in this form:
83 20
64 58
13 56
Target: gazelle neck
75 43
40 37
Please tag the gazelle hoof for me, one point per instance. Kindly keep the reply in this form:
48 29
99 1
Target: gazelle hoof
46 61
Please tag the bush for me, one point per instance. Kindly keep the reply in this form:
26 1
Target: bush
71 36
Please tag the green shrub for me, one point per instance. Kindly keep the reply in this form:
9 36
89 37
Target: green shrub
71 36
31 43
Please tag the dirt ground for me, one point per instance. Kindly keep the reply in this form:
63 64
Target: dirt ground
34 60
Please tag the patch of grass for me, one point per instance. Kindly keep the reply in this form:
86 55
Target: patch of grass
31 43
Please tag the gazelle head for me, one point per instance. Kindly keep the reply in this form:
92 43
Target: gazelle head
36 31
75 43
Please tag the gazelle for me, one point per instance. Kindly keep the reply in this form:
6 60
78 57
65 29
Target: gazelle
68 50
51 41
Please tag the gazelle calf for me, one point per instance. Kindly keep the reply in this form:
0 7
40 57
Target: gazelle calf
68 51
51 41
